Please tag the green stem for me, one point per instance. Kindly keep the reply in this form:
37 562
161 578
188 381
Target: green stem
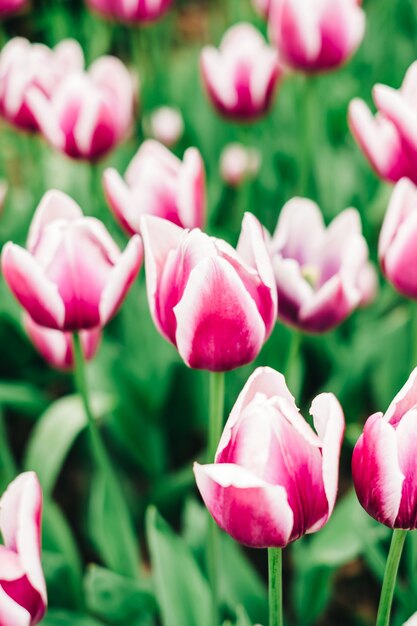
275 587
307 178
213 537
390 577
126 541
293 352
8 469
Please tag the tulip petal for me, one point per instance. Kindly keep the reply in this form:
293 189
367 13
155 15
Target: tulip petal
406 432
394 106
35 292
120 279
191 197
330 426
404 401
376 472
297 217
265 381
11 613
400 262
54 205
252 511
402 202
218 324
119 198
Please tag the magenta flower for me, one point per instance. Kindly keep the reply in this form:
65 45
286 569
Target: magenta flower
131 10
397 242
158 183
322 275
241 76
274 479
22 585
72 275
25 66
316 35
89 113
8 7
215 304
55 346
383 463
389 140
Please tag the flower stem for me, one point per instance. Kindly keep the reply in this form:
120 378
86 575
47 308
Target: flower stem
307 160
128 551
275 587
213 536
390 577
293 352
8 469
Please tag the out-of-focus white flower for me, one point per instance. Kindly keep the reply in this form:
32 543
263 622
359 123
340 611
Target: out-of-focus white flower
166 125
238 162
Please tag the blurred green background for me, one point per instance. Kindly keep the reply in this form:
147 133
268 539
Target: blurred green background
153 410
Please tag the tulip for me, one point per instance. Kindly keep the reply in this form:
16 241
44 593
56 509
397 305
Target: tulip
166 125
90 112
56 346
25 66
158 183
8 7
215 304
389 140
238 163
397 242
322 274
72 276
274 479
241 76
412 621
383 463
316 35
22 585
131 10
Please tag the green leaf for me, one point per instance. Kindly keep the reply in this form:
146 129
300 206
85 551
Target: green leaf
22 396
65 618
242 617
182 591
55 433
240 584
118 599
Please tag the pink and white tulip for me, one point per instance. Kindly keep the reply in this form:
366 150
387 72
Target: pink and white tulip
8 7
131 10
241 76
89 113
72 276
217 305
316 35
55 346
158 183
262 7
166 125
389 140
322 274
383 464
25 66
274 478
397 242
412 621
23 598
238 163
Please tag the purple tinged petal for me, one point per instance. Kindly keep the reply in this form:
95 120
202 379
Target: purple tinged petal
404 401
55 205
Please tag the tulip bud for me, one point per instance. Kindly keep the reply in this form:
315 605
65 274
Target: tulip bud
72 275
397 241
412 621
55 346
131 10
274 478
316 35
388 140
8 7
241 76
322 275
25 66
23 598
90 112
383 463
238 163
166 125
215 304
158 183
